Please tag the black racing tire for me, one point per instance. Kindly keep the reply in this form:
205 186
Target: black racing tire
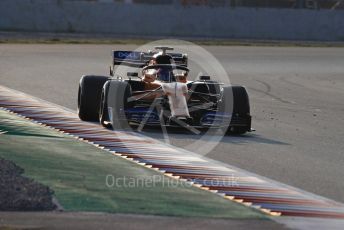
237 130
90 88
115 95
241 101
235 101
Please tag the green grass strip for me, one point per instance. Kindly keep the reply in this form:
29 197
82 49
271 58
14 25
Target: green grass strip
77 172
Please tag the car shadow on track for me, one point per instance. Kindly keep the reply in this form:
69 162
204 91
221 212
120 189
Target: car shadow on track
251 137
180 134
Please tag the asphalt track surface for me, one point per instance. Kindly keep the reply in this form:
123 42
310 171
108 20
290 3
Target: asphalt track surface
297 102
89 220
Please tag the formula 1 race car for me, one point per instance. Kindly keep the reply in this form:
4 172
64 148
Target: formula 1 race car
161 95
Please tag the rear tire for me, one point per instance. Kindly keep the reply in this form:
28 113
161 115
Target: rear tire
90 88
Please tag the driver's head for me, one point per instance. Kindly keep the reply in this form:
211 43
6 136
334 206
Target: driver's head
164 73
163 59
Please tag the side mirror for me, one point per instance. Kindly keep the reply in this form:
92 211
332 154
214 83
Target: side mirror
132 74
204 78
111 71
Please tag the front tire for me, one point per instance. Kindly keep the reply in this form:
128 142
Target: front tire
114 99
235 101
90 88
237 130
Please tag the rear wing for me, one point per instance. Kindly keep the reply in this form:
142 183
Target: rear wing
140 59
